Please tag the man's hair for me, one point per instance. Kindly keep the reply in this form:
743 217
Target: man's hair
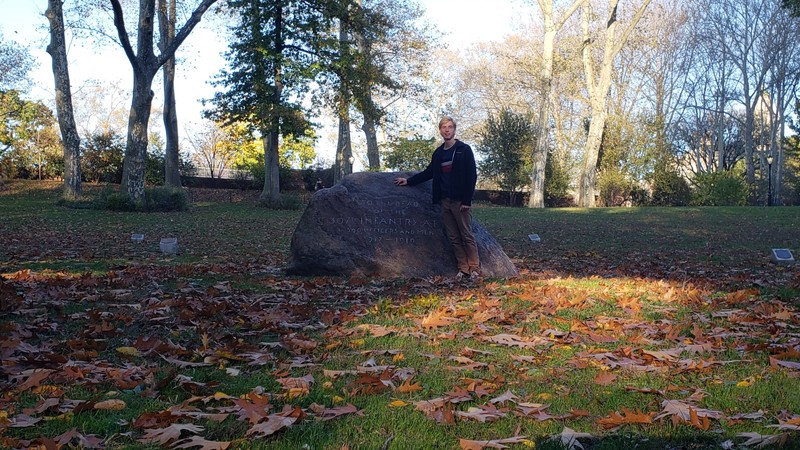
446 119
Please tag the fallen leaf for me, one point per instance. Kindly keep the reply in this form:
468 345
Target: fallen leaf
483 414
508 396
129 351
467 444
332 413
683 411
514 340
763 440
569 438
171 433
407 387
198 441
110 405
273 424
627 417
774 362
436 319
605 378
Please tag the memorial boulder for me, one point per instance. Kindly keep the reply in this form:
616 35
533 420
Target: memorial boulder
368 226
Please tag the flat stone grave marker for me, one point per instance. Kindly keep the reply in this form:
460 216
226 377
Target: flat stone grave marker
782 256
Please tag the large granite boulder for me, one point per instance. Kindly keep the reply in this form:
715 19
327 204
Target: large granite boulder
368 226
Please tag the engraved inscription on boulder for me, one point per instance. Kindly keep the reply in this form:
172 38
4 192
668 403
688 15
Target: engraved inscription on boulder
368 226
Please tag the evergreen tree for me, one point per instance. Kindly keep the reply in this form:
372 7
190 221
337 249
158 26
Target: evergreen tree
276 50
506 145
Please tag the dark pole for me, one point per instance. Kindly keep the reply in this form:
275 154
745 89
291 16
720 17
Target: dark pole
769 180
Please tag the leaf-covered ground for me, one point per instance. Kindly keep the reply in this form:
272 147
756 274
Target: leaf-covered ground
627 328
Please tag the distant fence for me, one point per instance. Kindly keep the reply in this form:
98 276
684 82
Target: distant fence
218 183
227 174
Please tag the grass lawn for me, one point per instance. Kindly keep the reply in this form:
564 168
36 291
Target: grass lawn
627 328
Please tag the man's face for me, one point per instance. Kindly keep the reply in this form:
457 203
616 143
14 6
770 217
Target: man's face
447 130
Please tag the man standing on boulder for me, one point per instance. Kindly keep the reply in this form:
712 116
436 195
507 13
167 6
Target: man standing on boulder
452 169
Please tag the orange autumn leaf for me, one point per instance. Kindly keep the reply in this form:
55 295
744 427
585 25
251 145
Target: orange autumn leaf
407 387
627 417
436 319
110 405
32 378
794 421
697 421
605 379
375 330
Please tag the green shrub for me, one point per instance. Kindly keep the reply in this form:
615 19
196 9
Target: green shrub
83 202
116 201
164 198
556 183
615 188
720 189
155 199
640 196
670 189
284 202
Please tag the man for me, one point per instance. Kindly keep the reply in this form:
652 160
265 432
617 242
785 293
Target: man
452 169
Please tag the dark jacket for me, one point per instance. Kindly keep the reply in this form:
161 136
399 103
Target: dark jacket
464 174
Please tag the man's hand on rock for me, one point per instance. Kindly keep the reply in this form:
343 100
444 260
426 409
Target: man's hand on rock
401 181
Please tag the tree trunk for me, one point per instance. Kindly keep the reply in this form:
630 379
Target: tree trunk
272 183
588 177
539 156
145 65
167 18
749 126
344 146
373 153
66 117
598 92
133 167
370 112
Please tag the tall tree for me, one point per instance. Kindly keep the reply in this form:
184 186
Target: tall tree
28 135
274 55
145 64
66 118
380 47
393 58
216 147
540 151
782 83
753 41
598 84
167 20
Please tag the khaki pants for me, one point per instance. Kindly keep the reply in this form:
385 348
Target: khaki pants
458 226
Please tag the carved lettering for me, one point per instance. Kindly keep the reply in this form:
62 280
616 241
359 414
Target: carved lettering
387 222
